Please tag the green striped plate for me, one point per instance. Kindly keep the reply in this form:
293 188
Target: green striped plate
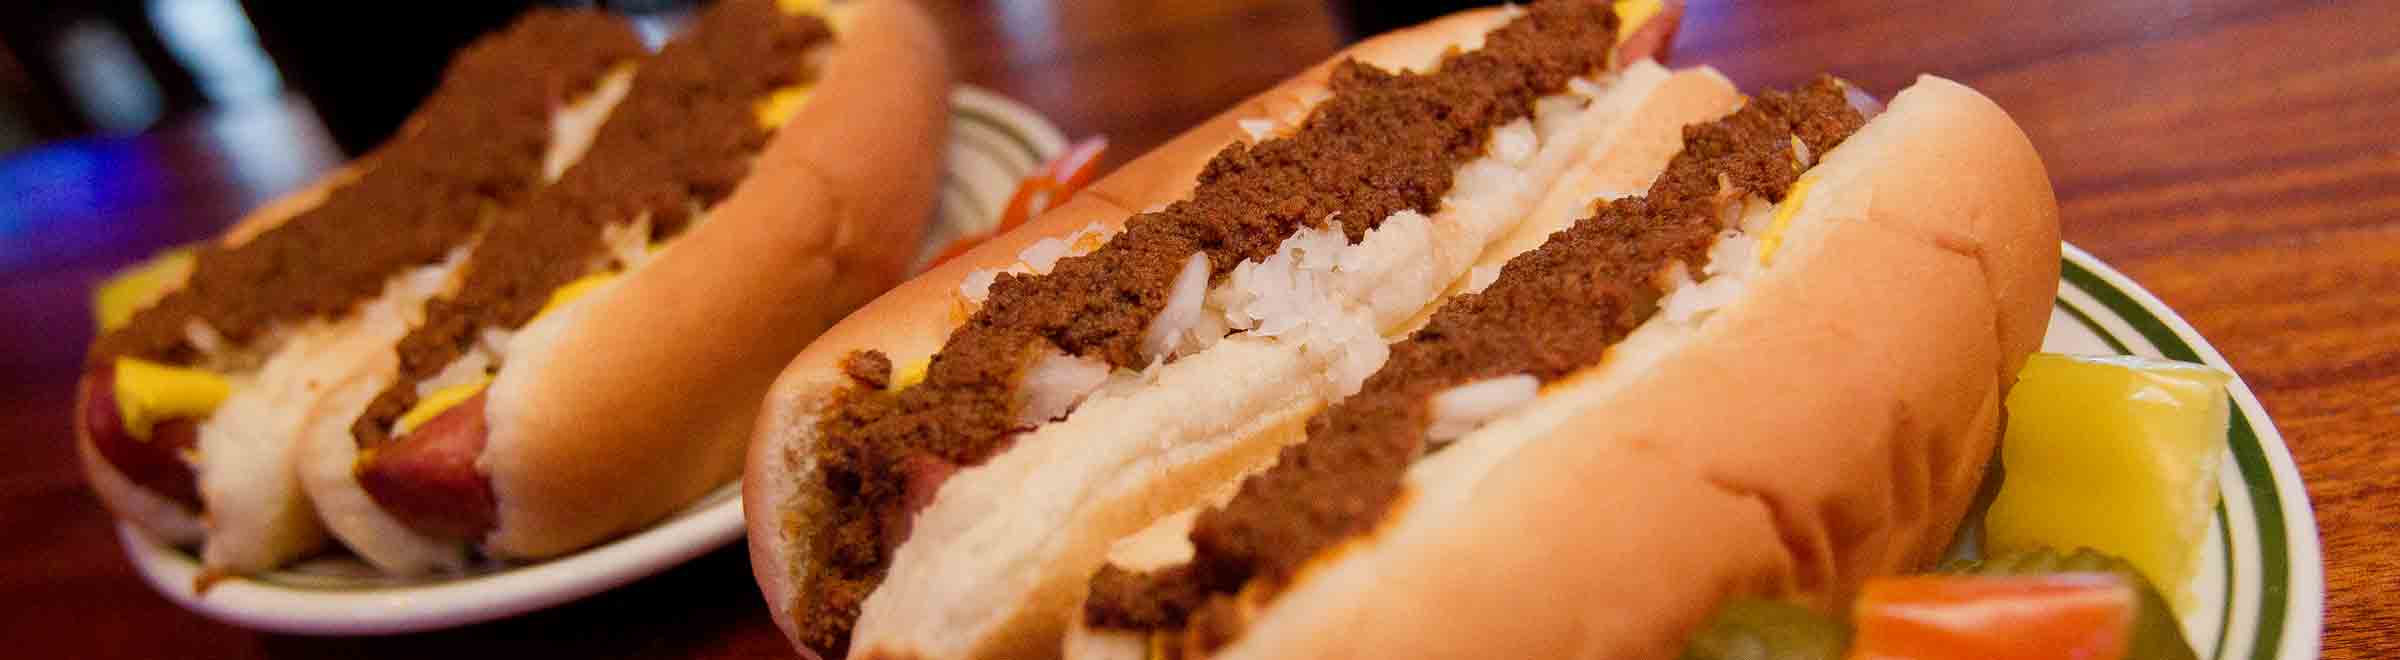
2262 586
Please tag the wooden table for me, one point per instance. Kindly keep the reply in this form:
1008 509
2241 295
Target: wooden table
2241 158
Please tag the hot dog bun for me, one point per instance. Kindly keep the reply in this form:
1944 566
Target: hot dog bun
591 400
1755 452
830 216
161 517
251 511
1039 515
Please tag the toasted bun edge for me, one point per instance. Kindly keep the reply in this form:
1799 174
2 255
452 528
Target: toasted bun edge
828 218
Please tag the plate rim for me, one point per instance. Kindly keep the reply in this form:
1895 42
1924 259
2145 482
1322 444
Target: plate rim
2290 622
502 594
714 521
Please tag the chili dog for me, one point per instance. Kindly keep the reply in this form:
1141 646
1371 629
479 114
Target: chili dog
599 364
1776 373
187 417
937 475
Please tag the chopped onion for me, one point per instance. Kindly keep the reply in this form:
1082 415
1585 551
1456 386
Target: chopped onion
1586 87
1362 352
1259 129
1294 296
1043 255
573 127
1273 295
1482 277
1731 254
1732 261
204 337
628 242
1514 142
1555 114
1462 409
1183 311
1481 181
495 340
1687 299
1036 259
1055 382
976 287
1860 100
467 368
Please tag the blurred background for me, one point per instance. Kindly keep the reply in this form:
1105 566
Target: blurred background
108 105
111 107
131 126
347 72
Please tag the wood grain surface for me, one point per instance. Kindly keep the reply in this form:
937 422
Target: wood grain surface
2239 158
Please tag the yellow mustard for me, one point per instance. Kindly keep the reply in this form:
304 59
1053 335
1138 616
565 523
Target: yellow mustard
127 291
440 401
570 291
1631 14
909 374
148 393
1773 237
779 106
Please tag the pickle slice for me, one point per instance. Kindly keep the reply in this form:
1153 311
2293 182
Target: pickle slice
1756 629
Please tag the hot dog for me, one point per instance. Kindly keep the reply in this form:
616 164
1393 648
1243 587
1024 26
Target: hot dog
187 415
938 474
768 171
1775 373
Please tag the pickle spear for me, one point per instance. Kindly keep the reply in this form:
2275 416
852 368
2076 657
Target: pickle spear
1758 629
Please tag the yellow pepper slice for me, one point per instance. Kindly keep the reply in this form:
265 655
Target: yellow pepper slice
2116 454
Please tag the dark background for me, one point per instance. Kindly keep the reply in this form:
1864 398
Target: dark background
106 104
81 67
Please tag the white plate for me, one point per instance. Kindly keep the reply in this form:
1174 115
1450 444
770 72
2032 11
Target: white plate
994 142
2262 584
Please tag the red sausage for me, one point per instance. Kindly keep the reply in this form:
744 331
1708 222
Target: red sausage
156 464
428 478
